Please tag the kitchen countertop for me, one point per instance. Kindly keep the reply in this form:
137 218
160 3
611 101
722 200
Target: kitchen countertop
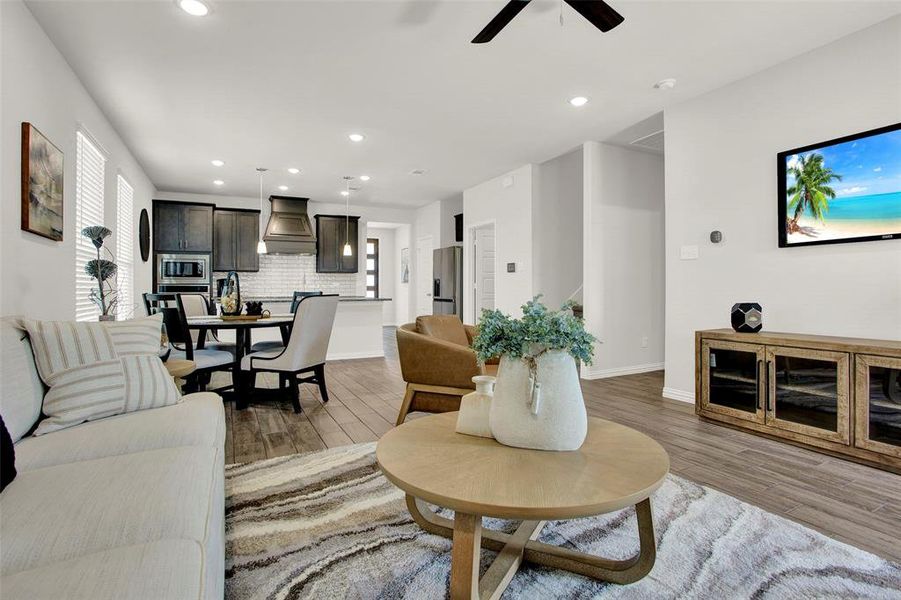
265 299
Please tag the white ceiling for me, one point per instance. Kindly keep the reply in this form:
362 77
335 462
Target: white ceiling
281 84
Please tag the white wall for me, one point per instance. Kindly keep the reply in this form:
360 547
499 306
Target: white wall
624 259
403 291
557 229
505 201
37 275
721 174
388 272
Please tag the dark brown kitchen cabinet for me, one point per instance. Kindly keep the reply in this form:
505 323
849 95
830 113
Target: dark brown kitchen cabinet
235 237
182 227
331 233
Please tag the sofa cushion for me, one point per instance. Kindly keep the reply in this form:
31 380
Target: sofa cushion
72 510
444 327
199 420
160 570
95 370
21 390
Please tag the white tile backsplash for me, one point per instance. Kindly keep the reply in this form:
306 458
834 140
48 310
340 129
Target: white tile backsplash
282 274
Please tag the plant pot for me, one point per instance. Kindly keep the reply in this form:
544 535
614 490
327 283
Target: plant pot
556 420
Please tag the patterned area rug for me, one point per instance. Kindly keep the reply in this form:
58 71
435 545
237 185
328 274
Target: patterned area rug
329 525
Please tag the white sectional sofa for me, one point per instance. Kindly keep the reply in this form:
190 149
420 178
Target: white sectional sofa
130 506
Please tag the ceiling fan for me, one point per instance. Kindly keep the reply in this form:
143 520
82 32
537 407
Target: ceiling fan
599 13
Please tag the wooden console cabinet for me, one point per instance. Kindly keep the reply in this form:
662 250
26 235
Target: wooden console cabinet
838 395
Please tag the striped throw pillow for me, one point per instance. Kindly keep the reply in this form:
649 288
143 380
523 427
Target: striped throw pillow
96 370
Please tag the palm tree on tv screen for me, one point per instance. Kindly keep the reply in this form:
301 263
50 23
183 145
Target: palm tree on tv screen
811 188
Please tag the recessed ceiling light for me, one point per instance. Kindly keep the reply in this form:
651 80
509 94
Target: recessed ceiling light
364 177
294 171
283 188
665 84
356 137
578 101
218 182
345 193
217 163
195 8
417 172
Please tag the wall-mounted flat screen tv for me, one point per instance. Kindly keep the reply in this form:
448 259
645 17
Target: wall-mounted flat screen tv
843 190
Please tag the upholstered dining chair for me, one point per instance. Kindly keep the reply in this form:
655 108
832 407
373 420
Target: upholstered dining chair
437 363
206 360
267 345
196 305
304 354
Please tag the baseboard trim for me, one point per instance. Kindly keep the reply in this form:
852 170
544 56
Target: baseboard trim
680 395
353 355
590 373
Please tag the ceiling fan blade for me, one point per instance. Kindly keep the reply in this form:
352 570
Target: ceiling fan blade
599 13
500 20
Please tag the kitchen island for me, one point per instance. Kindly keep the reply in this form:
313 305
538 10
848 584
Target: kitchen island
357 332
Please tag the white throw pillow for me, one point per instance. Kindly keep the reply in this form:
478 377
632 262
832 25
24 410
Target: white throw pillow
96 370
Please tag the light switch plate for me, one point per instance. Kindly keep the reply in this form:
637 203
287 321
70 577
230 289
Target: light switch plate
688 253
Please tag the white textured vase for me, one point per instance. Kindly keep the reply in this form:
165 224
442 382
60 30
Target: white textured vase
556 420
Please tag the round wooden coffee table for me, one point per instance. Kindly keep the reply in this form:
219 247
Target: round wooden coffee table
615 468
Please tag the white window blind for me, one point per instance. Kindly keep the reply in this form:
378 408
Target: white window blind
89 165
125 248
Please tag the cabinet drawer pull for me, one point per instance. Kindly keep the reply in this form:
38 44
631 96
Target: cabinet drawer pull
760 378
769 391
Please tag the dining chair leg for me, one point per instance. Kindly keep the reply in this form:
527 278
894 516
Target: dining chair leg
247 381
319 372
282 381
295 393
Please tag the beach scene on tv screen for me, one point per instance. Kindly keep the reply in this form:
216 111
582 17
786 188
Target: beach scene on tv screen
843 191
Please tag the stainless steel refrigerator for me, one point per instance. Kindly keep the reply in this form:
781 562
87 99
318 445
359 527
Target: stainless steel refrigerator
447 287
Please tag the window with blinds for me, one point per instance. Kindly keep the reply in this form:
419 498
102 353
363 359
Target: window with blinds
89 165
125 248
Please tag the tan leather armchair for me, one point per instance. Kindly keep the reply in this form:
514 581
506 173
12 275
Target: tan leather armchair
438 364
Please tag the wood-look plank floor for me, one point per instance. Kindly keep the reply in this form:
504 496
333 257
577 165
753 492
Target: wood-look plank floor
847 501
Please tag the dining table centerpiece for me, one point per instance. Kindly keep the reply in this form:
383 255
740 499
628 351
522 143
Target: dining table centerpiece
537 399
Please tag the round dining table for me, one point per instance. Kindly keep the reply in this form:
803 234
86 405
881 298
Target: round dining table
242 328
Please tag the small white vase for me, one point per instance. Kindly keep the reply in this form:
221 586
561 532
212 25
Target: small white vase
475 407
551 418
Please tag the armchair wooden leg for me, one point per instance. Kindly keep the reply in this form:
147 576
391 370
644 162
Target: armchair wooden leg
319 373
405 405
295 393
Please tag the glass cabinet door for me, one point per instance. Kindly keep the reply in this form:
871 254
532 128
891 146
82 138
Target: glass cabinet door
808 392
731 376
877 401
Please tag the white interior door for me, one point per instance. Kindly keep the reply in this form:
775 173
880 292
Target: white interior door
484 267
424 247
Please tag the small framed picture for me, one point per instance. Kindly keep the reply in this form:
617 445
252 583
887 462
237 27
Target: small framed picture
42 185
405 265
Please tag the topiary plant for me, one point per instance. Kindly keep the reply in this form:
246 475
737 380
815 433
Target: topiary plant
105 295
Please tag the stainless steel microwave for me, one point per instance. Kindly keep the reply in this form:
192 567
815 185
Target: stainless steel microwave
183 269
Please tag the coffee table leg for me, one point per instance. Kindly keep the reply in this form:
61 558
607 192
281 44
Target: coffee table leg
465 554
629 570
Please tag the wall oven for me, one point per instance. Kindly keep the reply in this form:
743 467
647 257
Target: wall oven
183 270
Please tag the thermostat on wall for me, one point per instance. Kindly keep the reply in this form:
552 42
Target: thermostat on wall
511 267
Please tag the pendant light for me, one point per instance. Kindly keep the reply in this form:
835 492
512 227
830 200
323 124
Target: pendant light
261 245
348 251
